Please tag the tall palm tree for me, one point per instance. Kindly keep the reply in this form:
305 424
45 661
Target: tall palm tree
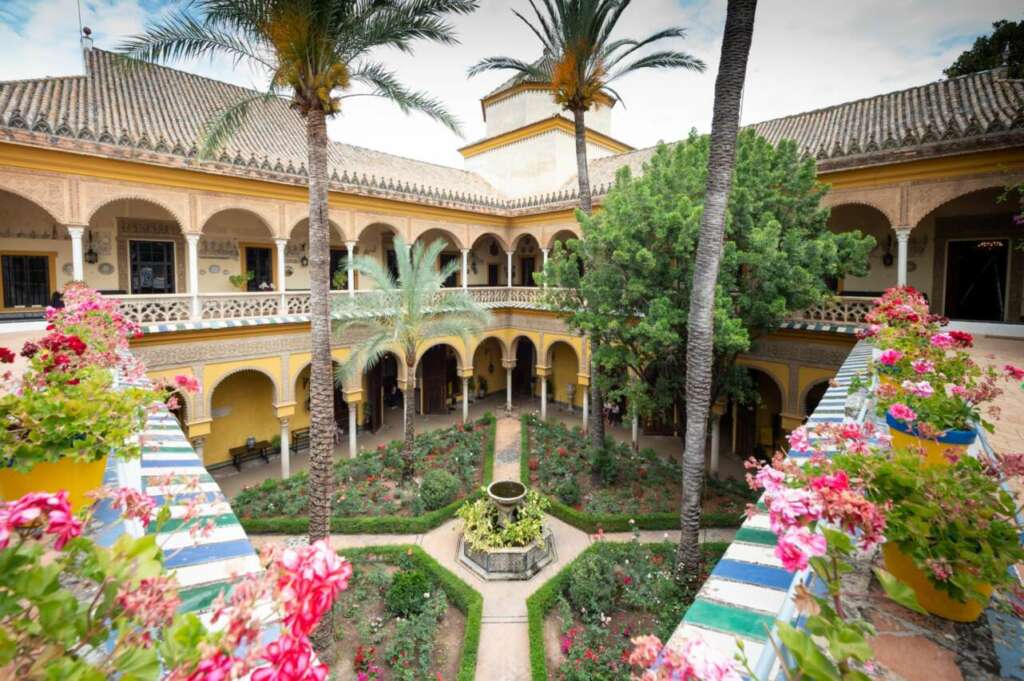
405 313
732 70
580 62
312 52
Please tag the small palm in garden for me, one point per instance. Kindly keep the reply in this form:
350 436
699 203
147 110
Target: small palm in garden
405 313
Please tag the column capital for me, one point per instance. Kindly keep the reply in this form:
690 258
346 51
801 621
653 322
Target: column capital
281 242
545 251
284 421
466 373
543 371
583 379
193 237
351 245
467 250
76 231
902 231
508 363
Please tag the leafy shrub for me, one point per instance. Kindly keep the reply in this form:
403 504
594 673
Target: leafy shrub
480 523
439 488
408 593
604 465
569 491
591 586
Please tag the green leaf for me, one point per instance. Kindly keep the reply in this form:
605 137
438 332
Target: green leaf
898 591
813 664
138 664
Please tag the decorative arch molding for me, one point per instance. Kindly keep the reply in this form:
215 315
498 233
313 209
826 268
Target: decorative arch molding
396 223
239 370
802 403
456 234
572 232
47 192
336 229
780 382
518 239
267 213
926 198
886 200
95 196
505 348
477 235
460 352
189 400
534 338
549 349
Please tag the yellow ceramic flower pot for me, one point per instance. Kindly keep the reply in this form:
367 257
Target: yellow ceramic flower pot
77 478
931 599
953 442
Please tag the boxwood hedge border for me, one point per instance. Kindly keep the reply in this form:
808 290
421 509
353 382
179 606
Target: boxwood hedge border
384 524
611 522
462 595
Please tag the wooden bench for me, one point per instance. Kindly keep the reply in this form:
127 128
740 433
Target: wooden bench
240 455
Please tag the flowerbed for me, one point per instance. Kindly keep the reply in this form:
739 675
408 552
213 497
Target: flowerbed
583 620
451 465
607 489
405 618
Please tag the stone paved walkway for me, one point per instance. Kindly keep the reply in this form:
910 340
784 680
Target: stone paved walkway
504 653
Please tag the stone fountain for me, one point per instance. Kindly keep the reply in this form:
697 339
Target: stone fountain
510 562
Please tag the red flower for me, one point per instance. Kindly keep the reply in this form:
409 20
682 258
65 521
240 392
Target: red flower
962 338
75 344
6 356
29 349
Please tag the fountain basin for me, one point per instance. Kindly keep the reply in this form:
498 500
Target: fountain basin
509 563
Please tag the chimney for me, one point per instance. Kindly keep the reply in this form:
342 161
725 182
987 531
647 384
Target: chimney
86 39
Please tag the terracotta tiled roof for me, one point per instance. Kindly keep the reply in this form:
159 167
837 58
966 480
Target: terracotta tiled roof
164 111
978 111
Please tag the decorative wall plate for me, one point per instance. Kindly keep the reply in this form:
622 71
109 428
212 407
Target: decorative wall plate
202 273
68 269
214 269
106 268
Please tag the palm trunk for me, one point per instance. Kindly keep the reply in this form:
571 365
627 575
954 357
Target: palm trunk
596 425
409 406
321 384
739 29
321 381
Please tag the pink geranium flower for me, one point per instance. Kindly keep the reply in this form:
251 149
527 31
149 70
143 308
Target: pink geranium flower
923 366
1013 372
797 545
890 357
920 388
943 341
902 412
189 384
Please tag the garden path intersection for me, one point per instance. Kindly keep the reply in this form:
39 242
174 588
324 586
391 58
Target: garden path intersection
504 653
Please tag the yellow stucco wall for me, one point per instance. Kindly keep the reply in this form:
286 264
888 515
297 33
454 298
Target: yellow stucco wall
564 367
242 406
487 364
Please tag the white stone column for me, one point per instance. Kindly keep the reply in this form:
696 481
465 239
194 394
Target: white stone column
192 242
545 252
77 260
351 246
465 268
281 286
465 400
586 407
508 268
353 444
285 449
636 432
508 387
902 237
543 397
197 446
716 437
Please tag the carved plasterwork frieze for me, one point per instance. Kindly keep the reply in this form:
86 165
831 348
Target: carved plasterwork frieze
801 352
49 192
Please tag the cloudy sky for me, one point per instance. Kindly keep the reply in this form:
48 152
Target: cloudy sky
806 54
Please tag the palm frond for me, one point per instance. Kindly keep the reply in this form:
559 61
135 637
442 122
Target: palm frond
180 37
362 357
227 121
527 69
662 60
612 59
385 84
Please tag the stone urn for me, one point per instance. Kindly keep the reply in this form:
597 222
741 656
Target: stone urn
507 495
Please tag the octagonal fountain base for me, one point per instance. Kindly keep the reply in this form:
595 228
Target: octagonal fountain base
513 563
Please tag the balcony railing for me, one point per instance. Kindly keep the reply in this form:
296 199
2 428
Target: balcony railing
178 307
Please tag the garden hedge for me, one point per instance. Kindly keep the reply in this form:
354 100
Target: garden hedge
543 599
384 524
463 596
612 522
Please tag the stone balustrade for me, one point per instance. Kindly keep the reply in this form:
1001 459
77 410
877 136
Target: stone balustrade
149 309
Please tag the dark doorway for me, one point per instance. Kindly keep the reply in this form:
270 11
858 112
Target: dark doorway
435 368
392 262
259 261
26 280
526 271
152 266
976 279
339 269
452 280
522 374
382 391
340 410
492 275
814 396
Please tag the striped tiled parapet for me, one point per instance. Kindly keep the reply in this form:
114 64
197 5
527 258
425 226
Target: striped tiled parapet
749 589
204 565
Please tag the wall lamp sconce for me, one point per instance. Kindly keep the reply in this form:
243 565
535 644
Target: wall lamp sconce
91 256
304 260
887 258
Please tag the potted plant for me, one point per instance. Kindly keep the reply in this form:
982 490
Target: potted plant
950 531
65 414
241 281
